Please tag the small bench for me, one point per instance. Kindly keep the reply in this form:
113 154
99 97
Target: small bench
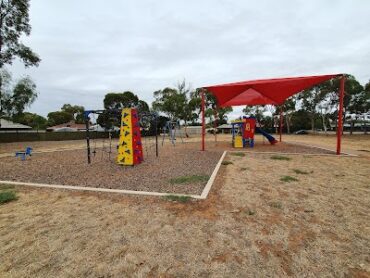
23 154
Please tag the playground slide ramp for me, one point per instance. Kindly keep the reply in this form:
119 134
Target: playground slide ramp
269 137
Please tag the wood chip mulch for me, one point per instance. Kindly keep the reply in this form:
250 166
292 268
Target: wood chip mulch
154 174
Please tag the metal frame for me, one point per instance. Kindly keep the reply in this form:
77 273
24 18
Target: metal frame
116 112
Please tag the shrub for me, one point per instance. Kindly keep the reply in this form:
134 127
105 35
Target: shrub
288 179
226 162
7 196
300 172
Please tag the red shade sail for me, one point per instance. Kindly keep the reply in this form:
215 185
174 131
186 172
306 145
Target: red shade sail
264 91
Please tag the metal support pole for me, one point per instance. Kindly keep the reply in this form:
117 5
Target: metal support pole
215 123
88 139
340 114
156 135
203 122
281 122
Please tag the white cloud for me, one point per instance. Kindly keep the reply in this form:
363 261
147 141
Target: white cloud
89 48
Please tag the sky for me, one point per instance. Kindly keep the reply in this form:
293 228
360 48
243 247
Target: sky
89 48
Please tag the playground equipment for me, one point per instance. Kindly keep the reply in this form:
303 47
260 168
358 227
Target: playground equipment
170 130
130 150
23 154
243 131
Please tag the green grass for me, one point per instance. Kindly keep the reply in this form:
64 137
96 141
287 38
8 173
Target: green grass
176 198
300 172
277 205
6 186
280 157
189 179
238 154
7 196
226 162
288 179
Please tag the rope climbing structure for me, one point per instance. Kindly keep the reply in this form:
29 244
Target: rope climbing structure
130 150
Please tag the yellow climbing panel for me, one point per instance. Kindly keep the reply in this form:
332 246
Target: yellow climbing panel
238 141
125 150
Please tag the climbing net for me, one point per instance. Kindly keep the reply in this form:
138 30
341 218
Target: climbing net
149 133
102 140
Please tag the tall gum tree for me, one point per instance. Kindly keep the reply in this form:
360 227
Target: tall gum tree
14 23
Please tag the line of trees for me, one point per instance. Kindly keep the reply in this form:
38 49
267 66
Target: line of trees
315 108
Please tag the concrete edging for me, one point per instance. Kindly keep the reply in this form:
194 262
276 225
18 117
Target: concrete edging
211 180
97 189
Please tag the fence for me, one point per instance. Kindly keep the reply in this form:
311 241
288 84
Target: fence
22 136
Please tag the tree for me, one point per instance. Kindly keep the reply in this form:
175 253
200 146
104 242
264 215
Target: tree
310 99
76 111
170 102
360 104
59 117
18 98
33 120
24 94
300 120
352 89
288 108
14 23
126 99
214 112
255 111
117 101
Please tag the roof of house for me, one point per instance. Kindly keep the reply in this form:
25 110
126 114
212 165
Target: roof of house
5 124
70 124
225 126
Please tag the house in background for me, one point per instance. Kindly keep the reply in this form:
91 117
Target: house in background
6 125
225 128
70 126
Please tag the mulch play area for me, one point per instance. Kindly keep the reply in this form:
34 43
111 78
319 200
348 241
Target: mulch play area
181 169
154 174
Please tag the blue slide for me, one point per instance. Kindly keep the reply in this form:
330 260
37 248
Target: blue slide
271 139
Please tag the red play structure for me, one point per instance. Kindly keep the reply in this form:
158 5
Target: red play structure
270 91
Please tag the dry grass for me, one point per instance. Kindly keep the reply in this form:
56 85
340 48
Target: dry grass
251 225
356 143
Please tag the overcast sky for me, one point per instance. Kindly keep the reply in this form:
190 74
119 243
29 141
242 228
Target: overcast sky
89 48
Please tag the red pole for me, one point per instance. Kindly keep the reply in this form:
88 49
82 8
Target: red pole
215 123
281 122
340 113
203 122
